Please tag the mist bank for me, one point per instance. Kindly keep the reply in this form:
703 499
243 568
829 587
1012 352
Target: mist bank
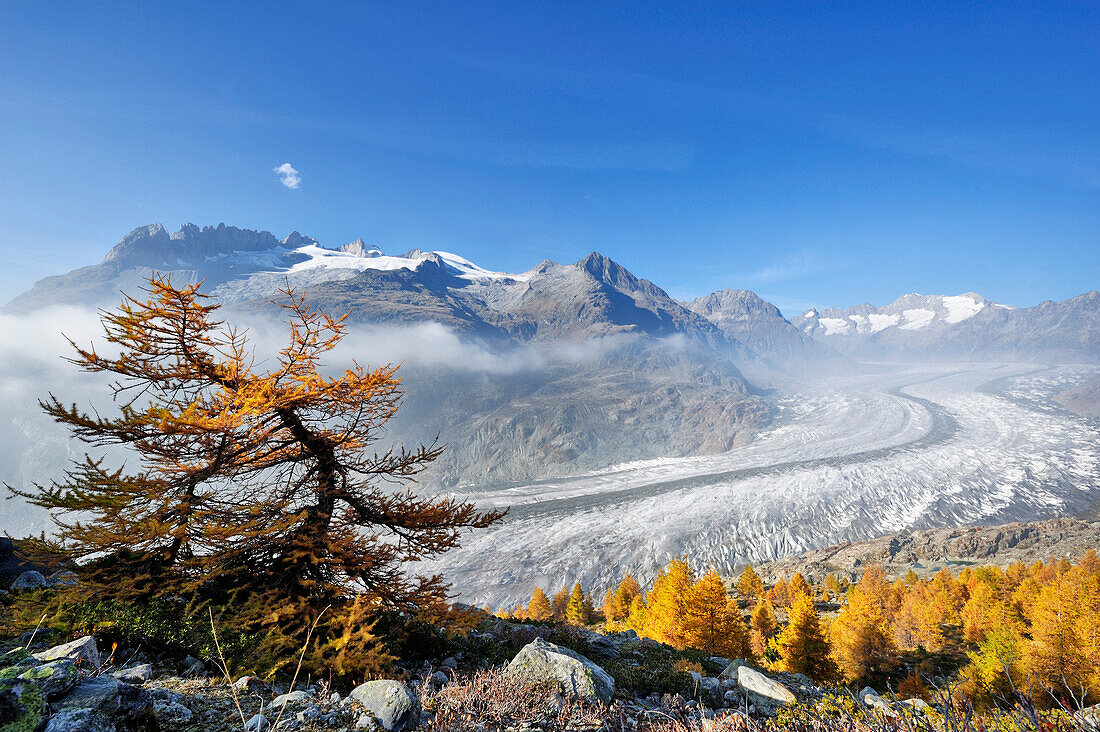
505 411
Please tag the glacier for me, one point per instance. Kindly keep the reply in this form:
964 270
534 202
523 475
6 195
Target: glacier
910 446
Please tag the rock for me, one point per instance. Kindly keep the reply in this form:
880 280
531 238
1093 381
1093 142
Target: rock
53 679
917 703
449 662
258 723
11 563
22 705
17 656
389 702
603 645
710 691
172 711
79 720
253 684
1089 718
165 695
730 671
193 666
82 650
30 580
761 685
136 709
294 698
135 674
38 636
577 676
439 679
100 693
367 722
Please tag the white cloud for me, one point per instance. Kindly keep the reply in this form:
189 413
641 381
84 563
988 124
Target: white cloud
288 176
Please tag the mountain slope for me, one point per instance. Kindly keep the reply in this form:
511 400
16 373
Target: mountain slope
961 327
929 550
573 367
746 317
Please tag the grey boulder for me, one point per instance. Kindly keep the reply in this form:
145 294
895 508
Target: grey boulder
54 678
294 698
576 676
390 703
82 650
258 723
22 705
730 671
759 684
135 674
79 720
100 693
29 580
123 703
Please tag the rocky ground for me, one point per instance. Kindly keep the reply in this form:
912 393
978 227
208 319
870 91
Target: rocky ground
928 551
72 687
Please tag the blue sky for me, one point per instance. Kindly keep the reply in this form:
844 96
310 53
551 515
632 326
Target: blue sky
818 153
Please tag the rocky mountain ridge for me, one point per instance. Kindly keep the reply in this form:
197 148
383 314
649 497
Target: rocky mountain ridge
928 551
965 327
750 319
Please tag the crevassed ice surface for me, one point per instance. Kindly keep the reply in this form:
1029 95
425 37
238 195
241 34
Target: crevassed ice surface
847 459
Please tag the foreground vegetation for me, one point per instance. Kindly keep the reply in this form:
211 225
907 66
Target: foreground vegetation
989 633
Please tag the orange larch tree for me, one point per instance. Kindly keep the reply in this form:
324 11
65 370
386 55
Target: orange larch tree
666 603
712 621
539 607
764 626
802 644
259 485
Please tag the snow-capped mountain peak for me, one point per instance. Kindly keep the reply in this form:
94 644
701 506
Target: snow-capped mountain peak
912 312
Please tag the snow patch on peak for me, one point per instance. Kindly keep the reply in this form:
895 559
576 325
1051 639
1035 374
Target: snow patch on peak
466 269
961 307
358 256
835 326
917 318
882 321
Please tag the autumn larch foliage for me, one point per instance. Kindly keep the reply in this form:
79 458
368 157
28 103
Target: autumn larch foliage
257 487
764 626
712 620
862 644
579 610
749 584
539 606
803 648
617 602
666 604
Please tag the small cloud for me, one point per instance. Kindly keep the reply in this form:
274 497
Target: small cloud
288 176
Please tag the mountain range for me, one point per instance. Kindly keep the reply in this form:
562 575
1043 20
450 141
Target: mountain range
599 366
594 297
965 327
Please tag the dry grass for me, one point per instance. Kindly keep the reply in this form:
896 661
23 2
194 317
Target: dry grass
493 701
